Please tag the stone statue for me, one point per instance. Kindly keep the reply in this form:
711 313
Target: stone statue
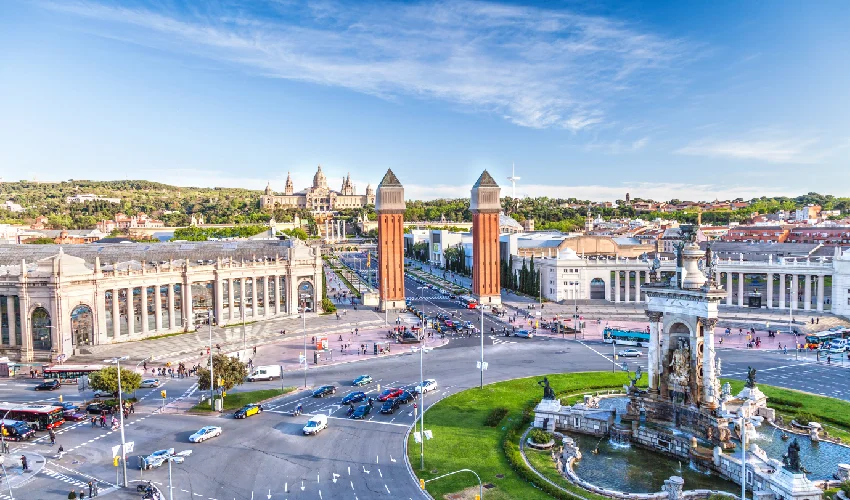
712 267
548 393
751 377
680 375
679 246
791 459
726 391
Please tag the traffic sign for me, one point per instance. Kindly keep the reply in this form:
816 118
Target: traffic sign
301 358
128 447
115 450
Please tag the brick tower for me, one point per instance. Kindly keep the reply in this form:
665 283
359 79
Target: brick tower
390 206
486 268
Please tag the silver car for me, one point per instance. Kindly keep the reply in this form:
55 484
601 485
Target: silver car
150 382
159 457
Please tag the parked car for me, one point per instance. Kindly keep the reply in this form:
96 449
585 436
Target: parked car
105 394
323 391
390 405
630 353
361 411
205 433
159 457
316 424
152 383
524 334
426 386
354 397
363 380
248 410
49 385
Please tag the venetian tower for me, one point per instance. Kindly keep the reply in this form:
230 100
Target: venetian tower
486 270
389 205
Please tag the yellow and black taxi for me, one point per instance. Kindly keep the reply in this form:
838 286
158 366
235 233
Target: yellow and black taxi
248 410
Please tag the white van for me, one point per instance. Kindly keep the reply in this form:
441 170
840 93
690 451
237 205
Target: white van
264 373
316 424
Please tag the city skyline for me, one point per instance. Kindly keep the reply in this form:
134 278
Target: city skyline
589 101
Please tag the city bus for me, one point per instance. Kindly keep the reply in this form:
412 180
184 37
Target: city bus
623 336
817 340
468 301
39 417
69 374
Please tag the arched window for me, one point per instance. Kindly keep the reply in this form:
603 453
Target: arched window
82 325
40 321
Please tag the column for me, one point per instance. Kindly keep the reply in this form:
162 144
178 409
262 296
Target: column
782 290
637 286
728 288
275 279
116 315
26 335
628 285
144 291
795 284
188 307
617 285
769 281
709 388
654 347
265 282
242 300
157 307
131 313
172 320
819 304
218 290
10 313
231 302
254 307
740 289
807 293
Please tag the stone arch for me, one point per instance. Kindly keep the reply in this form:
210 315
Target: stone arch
597 288
680 327
82 325
307 293
41 329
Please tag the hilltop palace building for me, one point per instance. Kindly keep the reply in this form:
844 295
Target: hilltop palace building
319 197
55 302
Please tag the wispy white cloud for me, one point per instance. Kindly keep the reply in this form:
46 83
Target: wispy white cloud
763 147
617 146
535 67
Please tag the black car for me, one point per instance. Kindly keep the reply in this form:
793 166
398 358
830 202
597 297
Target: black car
354 397
324 391
361 411
390 406
405 397
95 408
49 385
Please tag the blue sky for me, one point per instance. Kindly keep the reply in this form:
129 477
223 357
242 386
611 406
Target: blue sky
589 99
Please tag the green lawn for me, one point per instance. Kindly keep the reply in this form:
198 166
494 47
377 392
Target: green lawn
462 441
236 400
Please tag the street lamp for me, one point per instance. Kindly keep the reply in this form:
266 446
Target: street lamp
422 350
304 308
2 464
743 423
482 307
178 457
117 362
212 378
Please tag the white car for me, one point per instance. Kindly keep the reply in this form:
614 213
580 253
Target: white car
205 433
426 386
159 457
103 394
630 353
150 382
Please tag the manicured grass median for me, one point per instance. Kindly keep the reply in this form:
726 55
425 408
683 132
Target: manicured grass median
236 400
462 440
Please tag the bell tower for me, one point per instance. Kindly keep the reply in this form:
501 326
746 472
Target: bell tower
486 269
389 205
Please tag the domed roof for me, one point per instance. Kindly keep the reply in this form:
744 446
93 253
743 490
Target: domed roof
319 180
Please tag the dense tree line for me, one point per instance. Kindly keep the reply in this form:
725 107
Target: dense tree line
195 233
526 280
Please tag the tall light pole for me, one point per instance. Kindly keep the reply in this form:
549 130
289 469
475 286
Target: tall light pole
117 362
304 330
422 350
3 443
212 378
481 306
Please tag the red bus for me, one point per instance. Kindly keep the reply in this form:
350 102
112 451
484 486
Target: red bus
39 417
468 301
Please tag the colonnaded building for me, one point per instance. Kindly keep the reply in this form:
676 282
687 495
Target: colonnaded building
319 197
54 300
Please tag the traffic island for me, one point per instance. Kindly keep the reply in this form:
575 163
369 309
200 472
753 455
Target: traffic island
236 400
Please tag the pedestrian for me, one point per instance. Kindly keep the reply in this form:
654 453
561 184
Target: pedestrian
817 321
94 422
91 489
813 321
24 463
103 421
52 437
72 495
145 368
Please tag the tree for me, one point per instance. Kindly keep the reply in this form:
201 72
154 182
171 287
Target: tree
106 379
229 371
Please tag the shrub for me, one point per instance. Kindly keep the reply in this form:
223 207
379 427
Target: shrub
804 418
785 402
845 487
495 416
539 436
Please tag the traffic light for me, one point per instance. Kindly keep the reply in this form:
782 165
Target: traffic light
115 461
422 483
477 497
162 394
